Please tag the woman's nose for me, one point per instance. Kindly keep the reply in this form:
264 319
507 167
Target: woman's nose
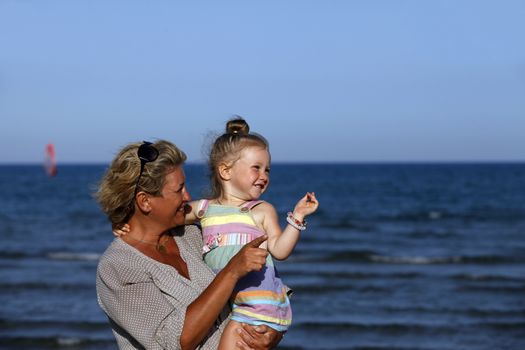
187 196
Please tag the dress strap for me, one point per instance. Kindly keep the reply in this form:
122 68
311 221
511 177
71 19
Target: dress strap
249 205
202 207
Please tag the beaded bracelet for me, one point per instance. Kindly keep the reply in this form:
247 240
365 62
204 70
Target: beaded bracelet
300 225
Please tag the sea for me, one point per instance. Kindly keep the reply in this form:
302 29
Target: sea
421 256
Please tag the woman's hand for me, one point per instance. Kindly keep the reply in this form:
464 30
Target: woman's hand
202 312
258 337
121 230
306 206
249 258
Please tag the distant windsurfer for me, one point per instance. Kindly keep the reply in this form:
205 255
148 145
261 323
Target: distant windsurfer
50 161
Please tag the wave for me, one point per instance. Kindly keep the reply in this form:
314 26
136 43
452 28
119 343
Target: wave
347 224
415 216
70 256
418 260
391 328
11 287
472 214
493 289
469 311
362 347
52 342
347 255
487 278
375 257
13 255
460 259
322 288
390 347
73 256
352 275
503 325
432 234
415 260
85 326
7 230
367 222
398 328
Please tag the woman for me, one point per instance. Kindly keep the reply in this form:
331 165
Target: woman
152 283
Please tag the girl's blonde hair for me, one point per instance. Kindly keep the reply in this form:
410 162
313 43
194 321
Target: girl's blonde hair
227 150
116 190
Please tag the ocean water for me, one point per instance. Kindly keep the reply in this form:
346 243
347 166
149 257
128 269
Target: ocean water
399 256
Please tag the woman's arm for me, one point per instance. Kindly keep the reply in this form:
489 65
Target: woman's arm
137 305
202 313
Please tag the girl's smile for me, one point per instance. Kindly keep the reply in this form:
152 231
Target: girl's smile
249 176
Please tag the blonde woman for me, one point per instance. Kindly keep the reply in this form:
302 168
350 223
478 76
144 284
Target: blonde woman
152 283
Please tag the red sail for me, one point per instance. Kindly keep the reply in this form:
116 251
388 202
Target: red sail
50 163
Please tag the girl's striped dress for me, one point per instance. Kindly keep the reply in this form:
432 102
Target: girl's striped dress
260 297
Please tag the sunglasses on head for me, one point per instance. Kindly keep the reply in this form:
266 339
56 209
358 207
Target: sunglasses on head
147 153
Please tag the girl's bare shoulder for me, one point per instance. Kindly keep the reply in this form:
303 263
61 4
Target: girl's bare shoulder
264 210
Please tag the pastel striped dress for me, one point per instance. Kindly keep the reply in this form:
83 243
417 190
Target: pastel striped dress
260 297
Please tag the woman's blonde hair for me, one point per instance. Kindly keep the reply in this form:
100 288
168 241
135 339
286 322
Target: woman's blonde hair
227 150
116 190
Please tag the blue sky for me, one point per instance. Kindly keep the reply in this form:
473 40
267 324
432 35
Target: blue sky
372 80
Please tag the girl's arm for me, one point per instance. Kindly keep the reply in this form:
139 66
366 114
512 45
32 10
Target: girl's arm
282 243
191 217
191 212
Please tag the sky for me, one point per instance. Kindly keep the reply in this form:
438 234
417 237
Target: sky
327 80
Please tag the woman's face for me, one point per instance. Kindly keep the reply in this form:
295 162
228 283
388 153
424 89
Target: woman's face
169 207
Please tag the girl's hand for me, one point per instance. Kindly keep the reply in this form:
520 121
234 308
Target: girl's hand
249 258
121 230
306 206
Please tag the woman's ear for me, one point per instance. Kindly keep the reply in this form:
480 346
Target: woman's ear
143 202
224 171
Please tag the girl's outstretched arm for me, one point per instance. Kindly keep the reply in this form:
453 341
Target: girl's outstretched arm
282 242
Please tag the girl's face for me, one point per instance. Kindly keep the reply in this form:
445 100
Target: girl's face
250 174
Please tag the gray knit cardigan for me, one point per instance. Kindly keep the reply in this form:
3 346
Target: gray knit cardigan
146 300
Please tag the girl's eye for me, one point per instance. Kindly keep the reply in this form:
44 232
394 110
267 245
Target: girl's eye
256 167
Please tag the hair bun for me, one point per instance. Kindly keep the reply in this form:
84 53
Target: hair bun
237 126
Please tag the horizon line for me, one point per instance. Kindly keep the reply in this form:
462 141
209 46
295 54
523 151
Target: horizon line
320 162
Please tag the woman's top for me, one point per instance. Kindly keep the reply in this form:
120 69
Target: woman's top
260 297
146 300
